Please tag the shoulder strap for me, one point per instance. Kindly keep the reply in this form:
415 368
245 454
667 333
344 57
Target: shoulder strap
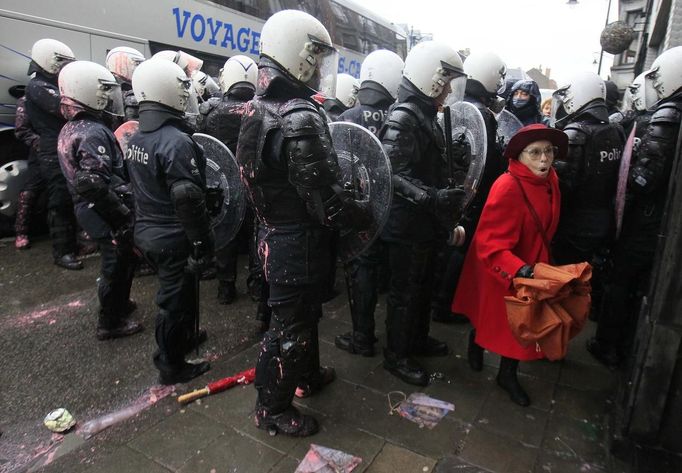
534 214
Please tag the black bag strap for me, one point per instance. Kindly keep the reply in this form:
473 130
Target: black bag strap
534 214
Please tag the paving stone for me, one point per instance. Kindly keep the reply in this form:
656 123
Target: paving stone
126 460
467 396
451 464
175 440
547 463
543 369
575 440
497 453
523 424
393 459
346 438
353 368
230 407
285 465
329 328
579 404
586 377
231 452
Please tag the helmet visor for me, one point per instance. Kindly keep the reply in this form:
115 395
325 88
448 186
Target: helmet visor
457 86
324 59
111 93
558 110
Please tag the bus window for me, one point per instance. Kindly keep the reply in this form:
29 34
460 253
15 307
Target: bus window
212 62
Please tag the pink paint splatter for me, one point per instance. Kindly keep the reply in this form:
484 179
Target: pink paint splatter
51 314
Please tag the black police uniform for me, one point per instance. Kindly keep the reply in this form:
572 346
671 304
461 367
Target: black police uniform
450 260
92 163
34 183
334 108
167 173
292 175
221 118
635 250
414 142
362 273
588 177
43 108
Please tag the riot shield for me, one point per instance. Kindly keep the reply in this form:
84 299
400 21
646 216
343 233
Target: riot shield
222 172
13 176
124 132
623 179
366 170
468 132
507 126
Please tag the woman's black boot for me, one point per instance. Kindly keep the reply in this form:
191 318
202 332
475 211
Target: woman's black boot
474 353
508 381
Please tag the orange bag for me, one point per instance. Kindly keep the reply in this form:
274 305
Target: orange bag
551 308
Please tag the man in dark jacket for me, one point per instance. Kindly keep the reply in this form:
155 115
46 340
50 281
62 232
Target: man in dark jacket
648 190
48 56
381 74
524 102
172 227
414 142
92 163
588 175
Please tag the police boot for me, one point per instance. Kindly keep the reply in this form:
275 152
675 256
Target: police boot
21 223
405 368
290 422
474 352
507 380
227 292
68 261
603 353
355 343
326 375
112 326
182 372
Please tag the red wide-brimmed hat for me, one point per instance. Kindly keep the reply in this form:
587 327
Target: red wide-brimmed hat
536 132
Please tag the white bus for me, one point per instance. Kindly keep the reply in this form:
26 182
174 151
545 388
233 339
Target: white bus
211 30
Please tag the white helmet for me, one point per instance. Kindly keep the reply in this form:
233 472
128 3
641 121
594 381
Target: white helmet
579 91
488 69
665 74
164 82
347 89
122 61
91 85
238 69
204 83
640 94
431 66
301 45
51 55
187 62
385 68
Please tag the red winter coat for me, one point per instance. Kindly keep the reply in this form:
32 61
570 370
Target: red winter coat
506 238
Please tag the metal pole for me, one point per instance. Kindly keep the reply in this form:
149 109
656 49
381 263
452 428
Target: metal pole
601 54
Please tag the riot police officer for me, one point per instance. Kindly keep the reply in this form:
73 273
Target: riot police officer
221 118
167 173
636 110
648 190
414 142
346 95
122 61
48 56
380 76
92 163
486 73
292 176
588 176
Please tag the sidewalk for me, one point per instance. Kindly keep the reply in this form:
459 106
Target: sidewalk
564 430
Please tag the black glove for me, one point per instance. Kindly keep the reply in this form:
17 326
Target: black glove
525 271
448 199
123 238
201 255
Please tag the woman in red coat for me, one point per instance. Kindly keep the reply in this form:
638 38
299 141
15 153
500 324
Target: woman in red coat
518 222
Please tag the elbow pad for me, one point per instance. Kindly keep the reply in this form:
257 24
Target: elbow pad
412 192
190 206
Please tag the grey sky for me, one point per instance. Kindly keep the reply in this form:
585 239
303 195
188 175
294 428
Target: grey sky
525 33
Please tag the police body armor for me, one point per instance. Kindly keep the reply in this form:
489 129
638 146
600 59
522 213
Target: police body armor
415 144
43 107
589 174
222 118
372 110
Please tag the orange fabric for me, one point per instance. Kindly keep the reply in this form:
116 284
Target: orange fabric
551 308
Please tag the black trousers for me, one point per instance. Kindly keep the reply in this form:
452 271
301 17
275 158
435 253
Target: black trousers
60 217
409 296
116 278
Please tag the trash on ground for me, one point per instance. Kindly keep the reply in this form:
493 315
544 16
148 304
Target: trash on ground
321 459
59 420
422 409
